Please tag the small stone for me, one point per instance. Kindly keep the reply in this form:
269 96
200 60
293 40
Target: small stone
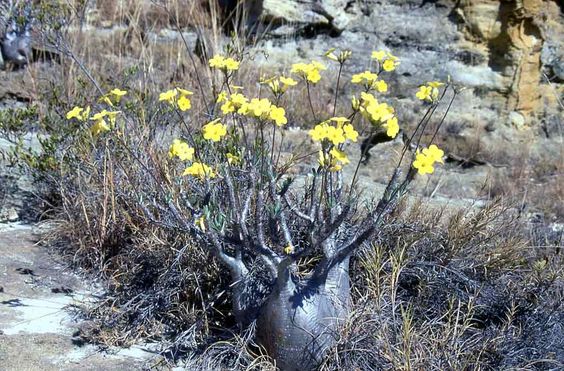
8 215
517 120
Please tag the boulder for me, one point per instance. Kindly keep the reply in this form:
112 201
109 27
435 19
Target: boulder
300 16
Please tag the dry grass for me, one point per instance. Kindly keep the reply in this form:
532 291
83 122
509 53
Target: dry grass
470 292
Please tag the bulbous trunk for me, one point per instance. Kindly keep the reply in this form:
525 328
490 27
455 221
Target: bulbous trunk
299 323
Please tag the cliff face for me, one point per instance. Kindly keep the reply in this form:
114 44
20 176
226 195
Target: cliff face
513 33
501 49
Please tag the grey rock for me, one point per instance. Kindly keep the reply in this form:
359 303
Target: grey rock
15 34
8 215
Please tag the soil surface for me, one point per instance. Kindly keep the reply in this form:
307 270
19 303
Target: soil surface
38 330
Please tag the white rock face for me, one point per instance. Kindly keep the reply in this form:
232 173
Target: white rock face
334 15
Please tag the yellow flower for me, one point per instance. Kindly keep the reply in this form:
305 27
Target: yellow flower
181 150
288 81
339 156
330 55
100 126
214 130
201 223
425 160
350 132
225 64
199 170
257 107
379 55
106 99
227 107
355 104
112 116
434 153
435 84
339 120
233 159
168 96
278 115
389 65
391 62
423 164
222 97
319 132
238 99
231 64
113 96
429 92
329 161
75 113
102 114
392 127
379 112
424 92
309 72
117 94
85 114
368 99
381 86
289 249
217 61
335 135
365 77
184 103
235 102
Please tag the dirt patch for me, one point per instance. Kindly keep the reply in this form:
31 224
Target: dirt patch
37 328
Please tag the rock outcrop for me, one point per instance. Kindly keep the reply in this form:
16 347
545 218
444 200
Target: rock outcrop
513 33
306 16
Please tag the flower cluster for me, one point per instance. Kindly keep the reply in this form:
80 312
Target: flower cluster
214 130
177 97
336 134
181 150
184 152
388 61
258 108
341 57
429 92
100 124
279 85
370 81
424 160
199 170
79 113
113 96
333 160
309 71
378 113
224 63
333 133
